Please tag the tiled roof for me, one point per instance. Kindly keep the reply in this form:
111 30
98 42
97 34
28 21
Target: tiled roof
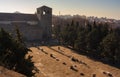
17 17
45 7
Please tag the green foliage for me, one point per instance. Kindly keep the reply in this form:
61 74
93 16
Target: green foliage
13 54
65 34
18 35
69 34
80 42
111 47
97 39
93 38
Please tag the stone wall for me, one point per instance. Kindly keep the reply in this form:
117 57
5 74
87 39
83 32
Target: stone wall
28 32
33 27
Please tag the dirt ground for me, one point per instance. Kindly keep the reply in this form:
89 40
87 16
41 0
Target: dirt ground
9 73
58 61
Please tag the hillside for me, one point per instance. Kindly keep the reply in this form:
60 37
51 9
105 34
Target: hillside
58 61
9 73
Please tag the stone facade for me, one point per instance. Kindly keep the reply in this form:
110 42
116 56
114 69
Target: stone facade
33 27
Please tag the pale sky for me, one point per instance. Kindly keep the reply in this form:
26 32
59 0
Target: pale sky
99 8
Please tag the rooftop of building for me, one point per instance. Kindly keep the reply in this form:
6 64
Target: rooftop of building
18 17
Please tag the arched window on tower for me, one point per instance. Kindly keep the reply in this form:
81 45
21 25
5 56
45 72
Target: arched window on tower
44 13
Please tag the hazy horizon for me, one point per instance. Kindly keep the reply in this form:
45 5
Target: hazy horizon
97 8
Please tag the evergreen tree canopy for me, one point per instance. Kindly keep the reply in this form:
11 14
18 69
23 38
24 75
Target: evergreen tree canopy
13 54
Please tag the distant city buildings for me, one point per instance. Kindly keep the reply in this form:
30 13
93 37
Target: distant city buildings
113 22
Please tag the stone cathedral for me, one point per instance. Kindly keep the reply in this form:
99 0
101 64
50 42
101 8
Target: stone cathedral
33 27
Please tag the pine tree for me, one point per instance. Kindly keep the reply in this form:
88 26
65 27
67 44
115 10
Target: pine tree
80 42
18 35
111 47
13 55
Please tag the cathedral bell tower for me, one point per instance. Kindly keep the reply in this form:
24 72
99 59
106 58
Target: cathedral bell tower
44 15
